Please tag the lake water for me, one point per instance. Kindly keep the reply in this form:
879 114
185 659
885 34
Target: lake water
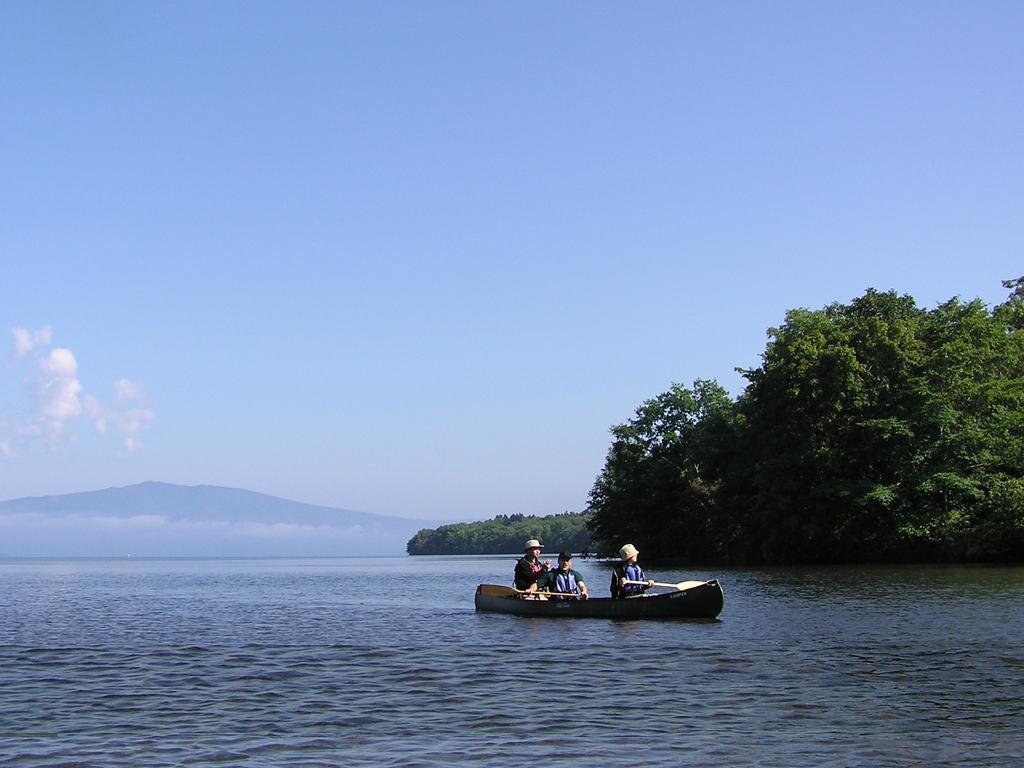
383 662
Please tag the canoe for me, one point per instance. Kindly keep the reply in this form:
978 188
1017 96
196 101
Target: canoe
702 601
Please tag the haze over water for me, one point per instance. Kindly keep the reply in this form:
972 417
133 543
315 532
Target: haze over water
383 661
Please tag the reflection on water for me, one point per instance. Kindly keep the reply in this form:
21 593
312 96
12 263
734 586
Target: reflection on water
384 662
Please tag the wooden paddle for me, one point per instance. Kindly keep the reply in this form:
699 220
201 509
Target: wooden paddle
680 585
497 590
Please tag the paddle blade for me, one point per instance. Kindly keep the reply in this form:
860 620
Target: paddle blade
496 590
689 584
680 585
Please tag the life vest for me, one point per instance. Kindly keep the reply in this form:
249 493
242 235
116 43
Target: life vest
565 582
632 572
535 569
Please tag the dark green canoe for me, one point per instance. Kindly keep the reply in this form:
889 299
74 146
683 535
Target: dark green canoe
701 601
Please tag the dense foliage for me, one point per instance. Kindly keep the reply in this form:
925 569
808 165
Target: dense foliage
504 534
871 431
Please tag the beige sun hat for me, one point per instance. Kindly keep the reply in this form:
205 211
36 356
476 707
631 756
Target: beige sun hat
532 544
628 552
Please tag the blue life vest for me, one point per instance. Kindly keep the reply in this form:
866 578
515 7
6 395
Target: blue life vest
632 572
566 582
635 573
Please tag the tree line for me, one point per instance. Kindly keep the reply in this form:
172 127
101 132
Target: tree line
504 534
871 431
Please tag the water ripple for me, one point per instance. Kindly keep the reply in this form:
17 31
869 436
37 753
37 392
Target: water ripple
804 669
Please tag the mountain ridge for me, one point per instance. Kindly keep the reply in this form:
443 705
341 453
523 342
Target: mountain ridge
157 518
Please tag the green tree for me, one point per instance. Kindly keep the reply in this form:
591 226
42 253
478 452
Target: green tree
826 428
660 479
871 430
503 534
879 430
970 432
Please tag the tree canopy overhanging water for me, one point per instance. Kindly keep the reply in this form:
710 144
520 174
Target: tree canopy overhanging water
873 430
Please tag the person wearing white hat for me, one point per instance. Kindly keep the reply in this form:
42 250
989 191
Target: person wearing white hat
626 571
529 568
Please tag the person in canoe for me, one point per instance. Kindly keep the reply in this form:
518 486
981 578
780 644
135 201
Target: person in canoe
626 571
564 580
529 568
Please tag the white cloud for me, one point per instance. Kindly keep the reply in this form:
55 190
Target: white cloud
25 340
135 522
293 530
125 389
166 526
60 362
94 411
57 393
128 423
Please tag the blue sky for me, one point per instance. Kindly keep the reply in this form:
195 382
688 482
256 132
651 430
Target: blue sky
416 258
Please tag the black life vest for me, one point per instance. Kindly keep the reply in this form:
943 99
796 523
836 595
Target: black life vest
526 573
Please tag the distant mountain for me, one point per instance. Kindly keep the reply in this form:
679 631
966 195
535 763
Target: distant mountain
160 519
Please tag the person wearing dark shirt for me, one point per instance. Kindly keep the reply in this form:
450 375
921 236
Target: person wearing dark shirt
564 580
529 568
629 570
